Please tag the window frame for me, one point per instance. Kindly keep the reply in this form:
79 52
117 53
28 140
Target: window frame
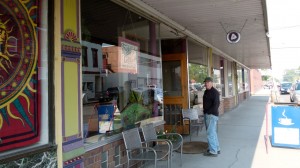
85 56
95 57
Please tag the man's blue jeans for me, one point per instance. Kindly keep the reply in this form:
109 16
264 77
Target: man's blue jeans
211 130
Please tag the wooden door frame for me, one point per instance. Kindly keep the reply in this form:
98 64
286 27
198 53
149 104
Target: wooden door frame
182 100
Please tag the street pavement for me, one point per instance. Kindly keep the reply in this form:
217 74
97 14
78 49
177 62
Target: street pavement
244 136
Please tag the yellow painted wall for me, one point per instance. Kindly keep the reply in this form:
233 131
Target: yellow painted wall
57 82
70 15
71 98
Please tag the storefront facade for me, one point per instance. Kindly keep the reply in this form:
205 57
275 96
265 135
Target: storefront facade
75 74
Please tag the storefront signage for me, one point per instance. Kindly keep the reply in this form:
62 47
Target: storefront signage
123 58
129 54
286 126
233 36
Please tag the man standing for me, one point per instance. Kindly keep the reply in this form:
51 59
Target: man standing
211 102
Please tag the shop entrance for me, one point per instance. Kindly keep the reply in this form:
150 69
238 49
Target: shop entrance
175 84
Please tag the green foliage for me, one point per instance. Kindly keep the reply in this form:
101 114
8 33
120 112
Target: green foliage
135 97
265 77
133 113
291 75
161 134
197 72
164 135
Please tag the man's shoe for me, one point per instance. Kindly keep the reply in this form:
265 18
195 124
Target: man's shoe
210 154
219 152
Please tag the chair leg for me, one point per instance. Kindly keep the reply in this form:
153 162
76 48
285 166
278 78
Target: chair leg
191 135
181 154
169 161
170 158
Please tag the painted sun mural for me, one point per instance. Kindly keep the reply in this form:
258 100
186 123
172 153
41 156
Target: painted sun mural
19 85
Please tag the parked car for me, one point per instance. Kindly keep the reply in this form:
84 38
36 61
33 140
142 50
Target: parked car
285 87
268 85
111 93
295 93
103 96
198 86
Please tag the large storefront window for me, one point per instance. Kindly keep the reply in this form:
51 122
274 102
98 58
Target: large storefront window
197 56
229 77
23 76
243 79
246 85
121 72
217 73
240 79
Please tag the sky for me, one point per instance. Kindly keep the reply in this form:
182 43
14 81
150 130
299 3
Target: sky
284 35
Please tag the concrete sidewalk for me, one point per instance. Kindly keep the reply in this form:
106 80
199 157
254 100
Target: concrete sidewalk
241 135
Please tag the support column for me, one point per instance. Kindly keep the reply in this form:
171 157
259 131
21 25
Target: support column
68 105
235 82
225 68
210 62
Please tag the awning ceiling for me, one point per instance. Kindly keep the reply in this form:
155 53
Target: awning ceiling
211 20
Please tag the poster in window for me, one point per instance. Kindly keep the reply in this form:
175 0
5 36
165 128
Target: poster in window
129 55
105 117
19 83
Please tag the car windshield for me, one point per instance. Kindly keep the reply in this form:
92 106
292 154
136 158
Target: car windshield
286 85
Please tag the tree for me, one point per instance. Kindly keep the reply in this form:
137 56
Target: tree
265 77
291 75
197 72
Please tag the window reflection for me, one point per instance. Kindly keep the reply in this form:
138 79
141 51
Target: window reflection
121 69
172 74
229 77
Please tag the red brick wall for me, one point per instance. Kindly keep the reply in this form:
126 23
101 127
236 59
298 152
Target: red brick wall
92 159
255 81
229 103
243 96
221 108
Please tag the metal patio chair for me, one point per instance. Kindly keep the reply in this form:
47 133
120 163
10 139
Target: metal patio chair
174 139
195 120
139 151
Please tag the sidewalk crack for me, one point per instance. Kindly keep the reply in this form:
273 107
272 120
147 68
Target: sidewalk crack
236 158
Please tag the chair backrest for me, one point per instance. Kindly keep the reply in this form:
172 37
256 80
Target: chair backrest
132 138
192 114
149 132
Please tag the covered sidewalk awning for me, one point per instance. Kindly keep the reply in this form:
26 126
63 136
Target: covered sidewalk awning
209 22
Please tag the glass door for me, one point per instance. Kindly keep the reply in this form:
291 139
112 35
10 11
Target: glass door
175 84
